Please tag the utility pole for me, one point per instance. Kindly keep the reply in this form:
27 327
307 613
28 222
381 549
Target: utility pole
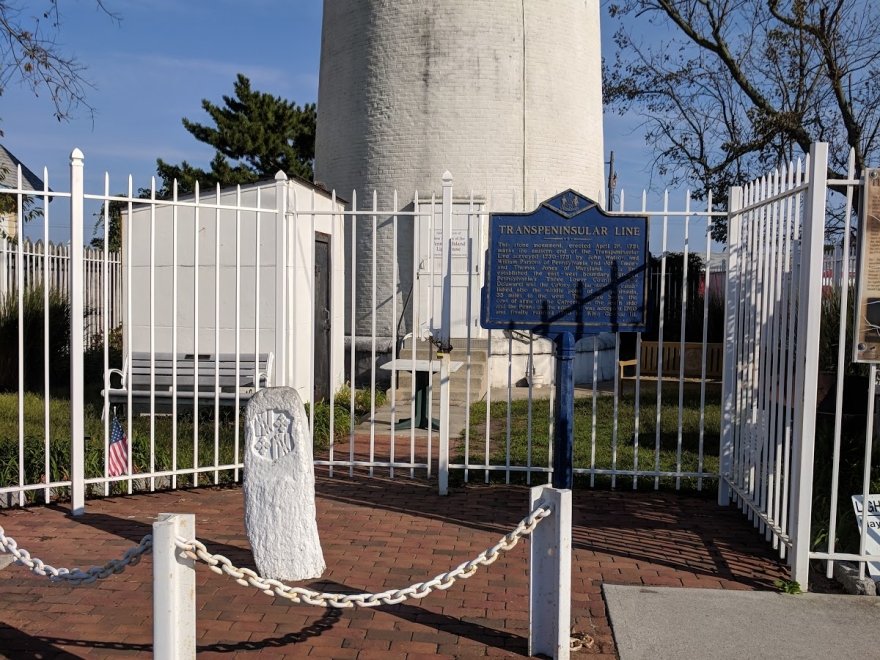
612 183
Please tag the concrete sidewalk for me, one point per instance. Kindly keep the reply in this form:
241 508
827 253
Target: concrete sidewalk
658 623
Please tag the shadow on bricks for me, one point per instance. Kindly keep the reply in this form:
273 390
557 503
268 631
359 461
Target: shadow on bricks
134 531
673 530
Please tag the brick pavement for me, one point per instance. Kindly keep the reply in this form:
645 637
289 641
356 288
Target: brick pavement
376 534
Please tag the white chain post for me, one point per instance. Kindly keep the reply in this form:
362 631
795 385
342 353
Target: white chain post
728 381
550 575
77 423
174 589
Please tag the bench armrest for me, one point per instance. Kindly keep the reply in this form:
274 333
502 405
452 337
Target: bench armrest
109 374
623 364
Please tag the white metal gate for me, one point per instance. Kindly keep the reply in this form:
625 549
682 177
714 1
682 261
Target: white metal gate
781 294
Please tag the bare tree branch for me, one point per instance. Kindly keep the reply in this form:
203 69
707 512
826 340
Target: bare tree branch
31 56
730 88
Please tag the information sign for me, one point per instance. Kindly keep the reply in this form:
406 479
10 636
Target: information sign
566 267
566 270
866 344
872 542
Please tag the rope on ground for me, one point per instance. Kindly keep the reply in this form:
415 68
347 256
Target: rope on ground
75 576
580 641
248 578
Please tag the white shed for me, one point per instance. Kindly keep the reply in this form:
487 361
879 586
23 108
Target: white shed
219 272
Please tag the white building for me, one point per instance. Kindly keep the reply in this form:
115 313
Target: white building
222 273
9 165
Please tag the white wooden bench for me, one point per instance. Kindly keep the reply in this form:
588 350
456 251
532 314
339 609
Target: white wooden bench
671 358
215 374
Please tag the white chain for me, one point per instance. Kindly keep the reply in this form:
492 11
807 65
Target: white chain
248 578
75 576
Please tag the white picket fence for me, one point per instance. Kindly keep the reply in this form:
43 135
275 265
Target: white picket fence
836 265
660 429
47 264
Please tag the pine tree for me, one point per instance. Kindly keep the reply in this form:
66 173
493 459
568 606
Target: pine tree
255 135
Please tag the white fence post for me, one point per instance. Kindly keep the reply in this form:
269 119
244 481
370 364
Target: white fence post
77 424
809 317
550 575
729 371
174 589
282 275
443 458
445 331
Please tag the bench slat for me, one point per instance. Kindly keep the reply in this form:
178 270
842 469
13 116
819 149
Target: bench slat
670 360
156 375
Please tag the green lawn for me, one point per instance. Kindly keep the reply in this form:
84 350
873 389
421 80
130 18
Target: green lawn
59 432
602 453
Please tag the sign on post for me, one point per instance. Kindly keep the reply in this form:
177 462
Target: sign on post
566 267
566 270
866 344
872 539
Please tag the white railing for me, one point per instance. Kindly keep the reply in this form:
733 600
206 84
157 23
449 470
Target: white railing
767 438
198 278
226 276
835 267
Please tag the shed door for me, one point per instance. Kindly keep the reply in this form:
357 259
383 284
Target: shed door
322 317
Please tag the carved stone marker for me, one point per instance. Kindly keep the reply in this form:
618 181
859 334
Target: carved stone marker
279 487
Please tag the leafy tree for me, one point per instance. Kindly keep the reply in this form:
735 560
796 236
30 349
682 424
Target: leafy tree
254 134
114 228
729 89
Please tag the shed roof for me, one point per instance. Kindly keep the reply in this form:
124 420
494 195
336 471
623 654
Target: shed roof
9 172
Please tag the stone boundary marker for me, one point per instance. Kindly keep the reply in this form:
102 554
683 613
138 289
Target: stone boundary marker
279 487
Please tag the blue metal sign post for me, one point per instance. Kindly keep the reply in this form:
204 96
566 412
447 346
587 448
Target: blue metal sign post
565 271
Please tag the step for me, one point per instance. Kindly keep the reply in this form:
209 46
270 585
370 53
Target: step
403 397
459 347
477 356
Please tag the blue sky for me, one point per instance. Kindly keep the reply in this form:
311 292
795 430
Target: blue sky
156 64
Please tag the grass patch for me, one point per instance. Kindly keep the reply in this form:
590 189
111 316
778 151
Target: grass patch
602 454
342 414
139 441
202 432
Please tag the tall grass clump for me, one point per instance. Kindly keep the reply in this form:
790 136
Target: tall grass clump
31 315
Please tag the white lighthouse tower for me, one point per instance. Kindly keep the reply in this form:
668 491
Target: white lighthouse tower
504 94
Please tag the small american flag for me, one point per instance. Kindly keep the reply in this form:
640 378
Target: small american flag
117 456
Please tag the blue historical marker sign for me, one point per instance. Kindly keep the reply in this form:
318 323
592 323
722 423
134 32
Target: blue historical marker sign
566 270
566 267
